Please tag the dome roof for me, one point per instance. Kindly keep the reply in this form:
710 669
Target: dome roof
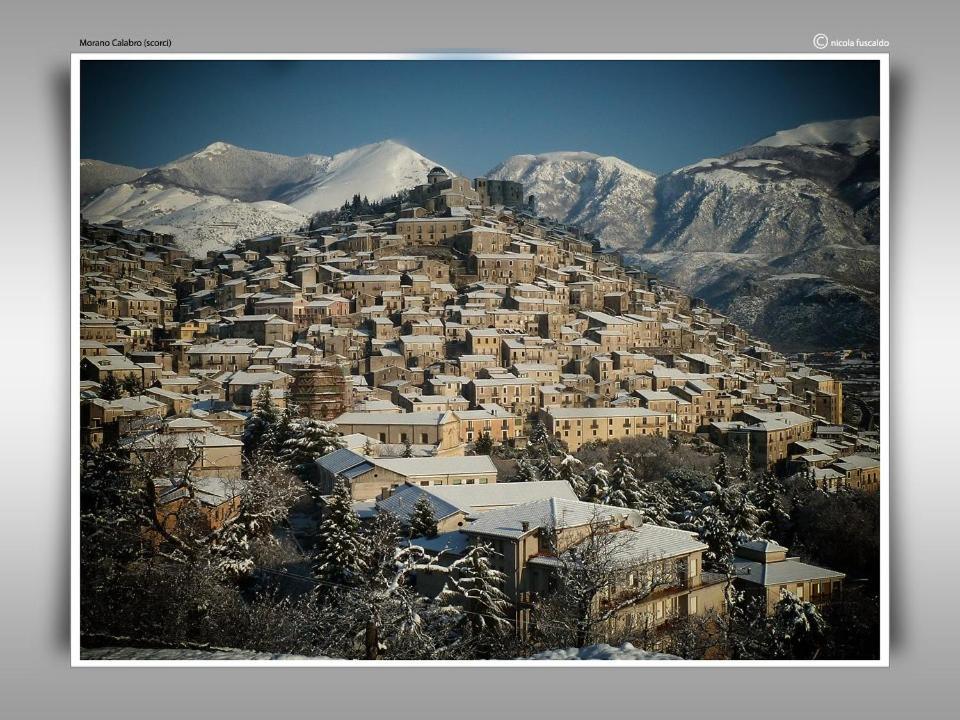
437 170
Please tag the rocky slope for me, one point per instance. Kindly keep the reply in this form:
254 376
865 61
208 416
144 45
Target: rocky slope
96 176
602 194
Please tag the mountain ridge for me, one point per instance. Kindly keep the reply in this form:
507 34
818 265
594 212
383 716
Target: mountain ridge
743 230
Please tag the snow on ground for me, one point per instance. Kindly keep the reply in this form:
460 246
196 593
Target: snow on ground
199 221
376 171
602 651
135 653
756 162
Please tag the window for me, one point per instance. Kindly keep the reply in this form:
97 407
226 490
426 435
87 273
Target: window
800 591
692 607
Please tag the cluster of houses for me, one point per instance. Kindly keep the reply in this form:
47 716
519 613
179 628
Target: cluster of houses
418 332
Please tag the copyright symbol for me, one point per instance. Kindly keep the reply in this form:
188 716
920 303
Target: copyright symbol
820 41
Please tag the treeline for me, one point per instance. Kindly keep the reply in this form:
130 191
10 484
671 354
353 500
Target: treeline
356 207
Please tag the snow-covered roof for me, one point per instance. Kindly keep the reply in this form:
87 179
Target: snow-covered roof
780 572
548 512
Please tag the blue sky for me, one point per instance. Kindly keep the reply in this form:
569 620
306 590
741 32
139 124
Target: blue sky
466 115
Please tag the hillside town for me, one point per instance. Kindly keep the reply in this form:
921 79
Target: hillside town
458 406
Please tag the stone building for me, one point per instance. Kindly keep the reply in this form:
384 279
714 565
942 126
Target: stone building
322 389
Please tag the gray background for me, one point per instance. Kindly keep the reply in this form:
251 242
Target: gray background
36 39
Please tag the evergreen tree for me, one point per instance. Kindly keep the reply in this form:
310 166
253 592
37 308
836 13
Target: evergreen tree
474 592
654 504
309 439
132 386
541 444
484 444
767 495
108 500
341 549
571 470
538 436
726 519
110 389
385 608
423 522
261 419
407 449
598 484
526 472
798 628
276 435
546 470
624 486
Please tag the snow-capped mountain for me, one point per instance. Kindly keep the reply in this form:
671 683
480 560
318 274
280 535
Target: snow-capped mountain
96 176
602 194
789 221
857 135
311 183
782 234
213 197
376 171
235 172
200 221
777 196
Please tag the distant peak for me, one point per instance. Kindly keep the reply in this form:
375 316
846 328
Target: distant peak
213 149
566 155
830 132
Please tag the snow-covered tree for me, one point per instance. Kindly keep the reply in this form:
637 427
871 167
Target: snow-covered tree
767 496
526 472
473 594
571 470
266 495
726 518
540 443
385 611
546 470
654 504
423 522
309 439
624 486
598 484
108 502
798 628
275 435
341 550
539 439
262 417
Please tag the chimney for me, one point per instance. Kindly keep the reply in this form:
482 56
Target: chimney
525 525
